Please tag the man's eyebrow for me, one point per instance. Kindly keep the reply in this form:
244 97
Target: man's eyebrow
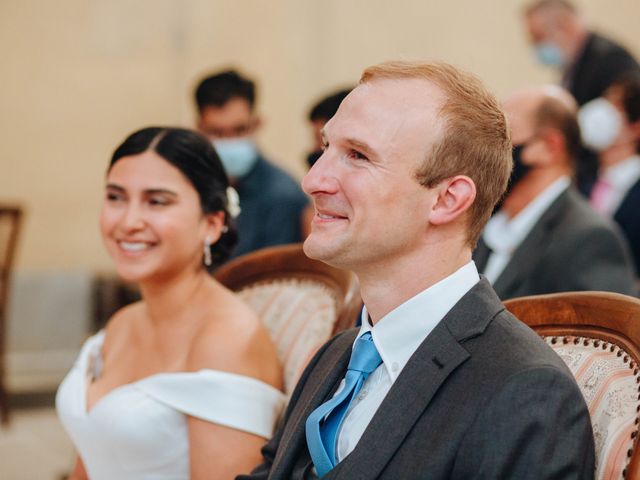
360 145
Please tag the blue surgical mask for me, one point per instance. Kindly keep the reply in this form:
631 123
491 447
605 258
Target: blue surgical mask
548 53
238 155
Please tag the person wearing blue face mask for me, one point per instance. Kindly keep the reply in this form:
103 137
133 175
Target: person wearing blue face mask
271 201
589 62
561 38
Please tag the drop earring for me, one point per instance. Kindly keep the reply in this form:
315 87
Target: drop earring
207 251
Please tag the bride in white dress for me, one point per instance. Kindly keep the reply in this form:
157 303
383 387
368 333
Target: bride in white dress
185 383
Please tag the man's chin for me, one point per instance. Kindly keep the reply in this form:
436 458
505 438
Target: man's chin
316 249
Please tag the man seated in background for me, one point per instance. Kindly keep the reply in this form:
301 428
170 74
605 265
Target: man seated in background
610 125
320 114
271 201
589 61
440 382
546 238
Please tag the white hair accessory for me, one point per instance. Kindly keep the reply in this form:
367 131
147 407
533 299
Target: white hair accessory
233 202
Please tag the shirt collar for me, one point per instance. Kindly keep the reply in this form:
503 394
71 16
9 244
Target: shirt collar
400 332
502 234
623 175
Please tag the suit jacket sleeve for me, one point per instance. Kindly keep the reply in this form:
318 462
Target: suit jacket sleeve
602 263
536 426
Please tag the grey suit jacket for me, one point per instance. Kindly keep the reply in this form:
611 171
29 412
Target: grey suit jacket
483 397
570 248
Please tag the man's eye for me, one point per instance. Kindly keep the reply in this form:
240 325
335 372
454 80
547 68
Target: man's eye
324 146
356 155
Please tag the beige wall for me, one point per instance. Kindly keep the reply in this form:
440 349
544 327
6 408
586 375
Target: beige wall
78 75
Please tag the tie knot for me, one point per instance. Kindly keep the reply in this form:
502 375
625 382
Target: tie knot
365 357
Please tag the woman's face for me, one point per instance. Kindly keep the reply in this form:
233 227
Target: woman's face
151 219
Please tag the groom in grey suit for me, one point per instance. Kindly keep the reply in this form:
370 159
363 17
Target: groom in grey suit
414 161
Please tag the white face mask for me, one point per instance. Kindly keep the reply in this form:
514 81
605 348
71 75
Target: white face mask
600 124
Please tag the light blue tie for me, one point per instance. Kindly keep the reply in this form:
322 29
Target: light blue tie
324 422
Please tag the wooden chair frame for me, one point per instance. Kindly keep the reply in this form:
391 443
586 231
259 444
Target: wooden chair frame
6 267
610 317
289 261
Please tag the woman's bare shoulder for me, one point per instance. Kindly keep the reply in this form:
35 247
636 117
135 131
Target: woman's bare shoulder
235 340
120 326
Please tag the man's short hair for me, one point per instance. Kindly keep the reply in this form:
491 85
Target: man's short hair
328 106
475 142
629 87
555 114
218 89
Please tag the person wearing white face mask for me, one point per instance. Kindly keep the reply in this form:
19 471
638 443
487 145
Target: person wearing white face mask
271 202
589 61
611 126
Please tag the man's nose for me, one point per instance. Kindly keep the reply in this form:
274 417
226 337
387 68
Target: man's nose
321 177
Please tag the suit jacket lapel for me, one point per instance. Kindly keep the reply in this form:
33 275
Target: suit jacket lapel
527 254
428 368
322 384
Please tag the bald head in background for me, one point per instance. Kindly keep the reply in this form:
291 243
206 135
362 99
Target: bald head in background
546 238
546 136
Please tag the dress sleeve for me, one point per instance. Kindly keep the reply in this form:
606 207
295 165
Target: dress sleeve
227 399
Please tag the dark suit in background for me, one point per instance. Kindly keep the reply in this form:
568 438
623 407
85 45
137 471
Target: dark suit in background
628 219
570 248
600 63
482 397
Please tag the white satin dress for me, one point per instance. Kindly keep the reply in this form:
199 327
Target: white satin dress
138 431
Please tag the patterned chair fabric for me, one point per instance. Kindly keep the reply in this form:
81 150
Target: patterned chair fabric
299 315
609 380
597 334
301 301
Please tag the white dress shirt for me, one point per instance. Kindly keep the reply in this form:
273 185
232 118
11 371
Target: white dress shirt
620 178
503 234
397 336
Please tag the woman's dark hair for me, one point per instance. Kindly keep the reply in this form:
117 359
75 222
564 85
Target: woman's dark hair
195 157
629 87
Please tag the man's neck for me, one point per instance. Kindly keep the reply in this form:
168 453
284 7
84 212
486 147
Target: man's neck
617 154
387 286
577 41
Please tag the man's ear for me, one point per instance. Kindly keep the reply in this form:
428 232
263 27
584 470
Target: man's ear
554 141
215 225
635 128
256 123
455 196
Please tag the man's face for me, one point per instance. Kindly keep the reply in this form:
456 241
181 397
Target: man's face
232 120
369 207
538 27
520 110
